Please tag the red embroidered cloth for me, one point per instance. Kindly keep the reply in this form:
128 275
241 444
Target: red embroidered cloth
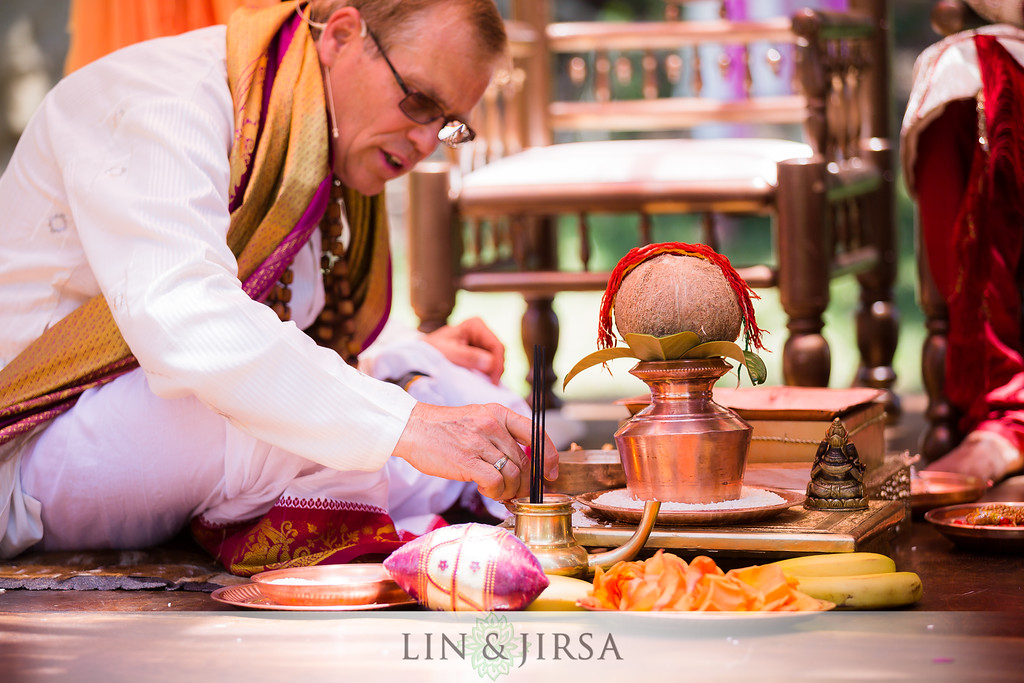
301 532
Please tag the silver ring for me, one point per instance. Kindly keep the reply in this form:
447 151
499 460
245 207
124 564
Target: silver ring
502 461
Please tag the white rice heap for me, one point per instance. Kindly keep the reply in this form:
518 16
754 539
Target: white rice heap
750 498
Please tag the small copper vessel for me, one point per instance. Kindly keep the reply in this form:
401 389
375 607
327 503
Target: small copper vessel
684 447
546 528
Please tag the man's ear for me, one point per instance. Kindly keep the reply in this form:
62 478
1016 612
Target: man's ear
343 29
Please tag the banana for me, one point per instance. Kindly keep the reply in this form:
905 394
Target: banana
837 564
864 591
561 594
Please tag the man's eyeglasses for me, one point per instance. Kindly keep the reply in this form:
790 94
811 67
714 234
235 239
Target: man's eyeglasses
423 109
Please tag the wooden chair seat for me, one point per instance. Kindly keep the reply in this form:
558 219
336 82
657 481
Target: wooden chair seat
686 174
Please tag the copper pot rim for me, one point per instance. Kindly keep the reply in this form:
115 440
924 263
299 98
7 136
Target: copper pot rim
681 368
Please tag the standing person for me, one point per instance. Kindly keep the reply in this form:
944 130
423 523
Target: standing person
158 201
963 158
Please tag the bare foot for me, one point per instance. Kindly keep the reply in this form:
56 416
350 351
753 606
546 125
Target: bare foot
983 454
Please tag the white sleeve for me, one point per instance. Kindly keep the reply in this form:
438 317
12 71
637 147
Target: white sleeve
149 197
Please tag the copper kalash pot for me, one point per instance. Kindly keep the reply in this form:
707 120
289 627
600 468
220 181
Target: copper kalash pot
684 447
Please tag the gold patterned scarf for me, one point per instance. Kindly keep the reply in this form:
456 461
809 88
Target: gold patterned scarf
280 181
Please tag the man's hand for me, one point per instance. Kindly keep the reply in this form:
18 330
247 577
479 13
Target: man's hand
464 443
471 344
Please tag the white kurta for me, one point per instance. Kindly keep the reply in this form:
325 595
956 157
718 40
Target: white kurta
119 186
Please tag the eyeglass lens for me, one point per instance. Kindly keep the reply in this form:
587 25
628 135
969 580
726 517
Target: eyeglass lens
423 109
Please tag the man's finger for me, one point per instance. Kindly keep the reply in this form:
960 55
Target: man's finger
521 430
494 483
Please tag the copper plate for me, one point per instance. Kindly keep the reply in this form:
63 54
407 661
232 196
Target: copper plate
331 584
694 517
929 490
948 521
249 595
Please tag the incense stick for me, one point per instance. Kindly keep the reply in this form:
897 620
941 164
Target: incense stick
537 424
533 430
543 422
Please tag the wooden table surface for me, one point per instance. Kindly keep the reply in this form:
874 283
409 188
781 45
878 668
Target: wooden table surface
957 579
969 626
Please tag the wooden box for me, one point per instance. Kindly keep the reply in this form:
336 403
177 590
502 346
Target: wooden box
790 422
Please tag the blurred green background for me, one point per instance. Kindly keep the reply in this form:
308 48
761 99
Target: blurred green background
745 241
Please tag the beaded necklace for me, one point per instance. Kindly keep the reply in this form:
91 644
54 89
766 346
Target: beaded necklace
335 326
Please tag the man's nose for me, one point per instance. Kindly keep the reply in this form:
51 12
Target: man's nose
424 137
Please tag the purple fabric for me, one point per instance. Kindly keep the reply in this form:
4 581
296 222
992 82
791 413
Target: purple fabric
30 414
278 47
260 283
262 280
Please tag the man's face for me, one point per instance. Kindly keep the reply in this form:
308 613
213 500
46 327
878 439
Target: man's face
376 141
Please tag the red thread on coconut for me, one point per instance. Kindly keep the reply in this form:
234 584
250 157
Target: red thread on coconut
636 256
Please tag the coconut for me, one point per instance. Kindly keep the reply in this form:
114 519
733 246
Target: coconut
674 293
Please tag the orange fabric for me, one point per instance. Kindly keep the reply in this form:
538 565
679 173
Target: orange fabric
98 27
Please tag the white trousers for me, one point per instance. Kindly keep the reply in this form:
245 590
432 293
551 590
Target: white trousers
128 469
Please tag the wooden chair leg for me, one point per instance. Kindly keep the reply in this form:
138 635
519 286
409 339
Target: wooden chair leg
803 270
540 323
540 326
877 315
433 246
877 334
941 433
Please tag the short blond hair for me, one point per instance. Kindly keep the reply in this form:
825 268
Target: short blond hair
389 18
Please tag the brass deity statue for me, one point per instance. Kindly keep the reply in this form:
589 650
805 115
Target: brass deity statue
837 476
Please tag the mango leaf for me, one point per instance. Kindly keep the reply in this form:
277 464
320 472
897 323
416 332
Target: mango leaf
672 347
755 368
644 346
597 357
717 349
751 361
677 345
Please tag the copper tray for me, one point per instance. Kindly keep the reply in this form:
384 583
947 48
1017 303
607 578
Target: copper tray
949 522
694 517
249 595
329 585
929 490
